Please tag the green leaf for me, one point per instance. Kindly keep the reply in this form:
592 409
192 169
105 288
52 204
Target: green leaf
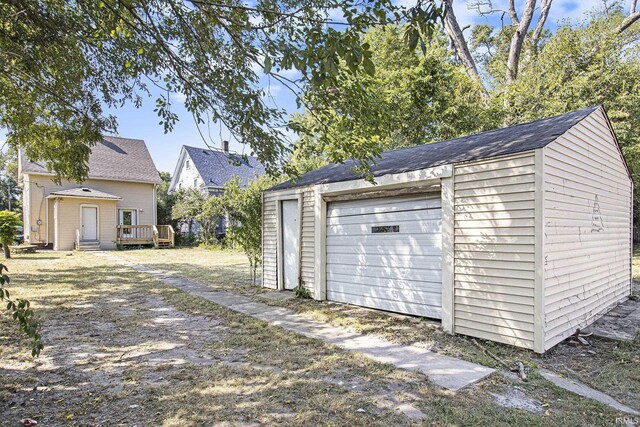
267 65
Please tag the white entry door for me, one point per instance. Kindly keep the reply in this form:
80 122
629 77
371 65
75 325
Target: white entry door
386 253
290 243
89 223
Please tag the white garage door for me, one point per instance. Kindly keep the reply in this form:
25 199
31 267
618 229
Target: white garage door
386 253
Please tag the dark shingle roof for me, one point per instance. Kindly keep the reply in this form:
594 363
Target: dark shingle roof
89 193
216 167
112 158
499 142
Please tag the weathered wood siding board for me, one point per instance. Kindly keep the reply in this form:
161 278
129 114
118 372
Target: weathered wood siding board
494 238
270 242
587 216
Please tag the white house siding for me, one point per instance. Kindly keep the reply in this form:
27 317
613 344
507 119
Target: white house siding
494 246
587 221
270 237
134 195
188 177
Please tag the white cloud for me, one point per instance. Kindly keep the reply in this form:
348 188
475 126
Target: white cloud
572 10
272 90
178 97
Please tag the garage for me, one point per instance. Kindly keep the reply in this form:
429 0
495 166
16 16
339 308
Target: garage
386 253
521 235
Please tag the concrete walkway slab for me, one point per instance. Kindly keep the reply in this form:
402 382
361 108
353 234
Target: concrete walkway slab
622 323
447 372
586 391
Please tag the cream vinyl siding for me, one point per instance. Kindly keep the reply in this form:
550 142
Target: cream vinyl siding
134 195
494 247
269 241
587 221
270 202
308 239
68 213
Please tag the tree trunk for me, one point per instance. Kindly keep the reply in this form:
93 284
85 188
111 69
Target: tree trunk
457 38
7 250
515 49
634 15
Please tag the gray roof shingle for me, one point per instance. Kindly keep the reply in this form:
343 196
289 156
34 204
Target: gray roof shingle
89 193
112 158
498 142
216 167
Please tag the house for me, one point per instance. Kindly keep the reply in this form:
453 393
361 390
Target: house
116 204
209 170
518 235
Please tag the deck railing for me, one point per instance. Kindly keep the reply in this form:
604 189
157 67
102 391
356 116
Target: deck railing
157 235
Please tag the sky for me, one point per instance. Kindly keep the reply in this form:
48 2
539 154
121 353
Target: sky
142 122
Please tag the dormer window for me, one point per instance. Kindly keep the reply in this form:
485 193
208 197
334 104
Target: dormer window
188 166
195 183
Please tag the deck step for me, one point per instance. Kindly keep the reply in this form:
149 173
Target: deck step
88 246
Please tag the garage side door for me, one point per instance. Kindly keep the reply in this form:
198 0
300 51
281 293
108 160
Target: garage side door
386 253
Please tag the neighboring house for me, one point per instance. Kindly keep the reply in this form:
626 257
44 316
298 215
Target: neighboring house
209 170
120 190
519 235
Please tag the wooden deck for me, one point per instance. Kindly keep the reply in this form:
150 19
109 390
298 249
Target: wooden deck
160 236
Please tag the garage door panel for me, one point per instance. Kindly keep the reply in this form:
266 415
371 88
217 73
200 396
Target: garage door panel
427 275
413 228
385 261
378 206
426 250
395 306
399 217
391 239
389 294
414 285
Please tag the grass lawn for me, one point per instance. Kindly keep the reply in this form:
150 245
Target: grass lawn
125 349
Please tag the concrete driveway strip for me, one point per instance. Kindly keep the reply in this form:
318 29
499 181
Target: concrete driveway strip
444 371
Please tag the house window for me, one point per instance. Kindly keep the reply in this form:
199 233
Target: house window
188 164
385 229
195 183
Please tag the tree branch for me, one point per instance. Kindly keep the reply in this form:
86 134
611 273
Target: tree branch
512 13
515 49
634 15
544 13
457 38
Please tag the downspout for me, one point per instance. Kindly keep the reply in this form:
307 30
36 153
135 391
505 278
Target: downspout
46 220
155 204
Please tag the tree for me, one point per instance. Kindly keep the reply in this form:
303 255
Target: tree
10 192
585 65
187 206
244 208
9 226
414 97
212 212
165 201
517 40
63 62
